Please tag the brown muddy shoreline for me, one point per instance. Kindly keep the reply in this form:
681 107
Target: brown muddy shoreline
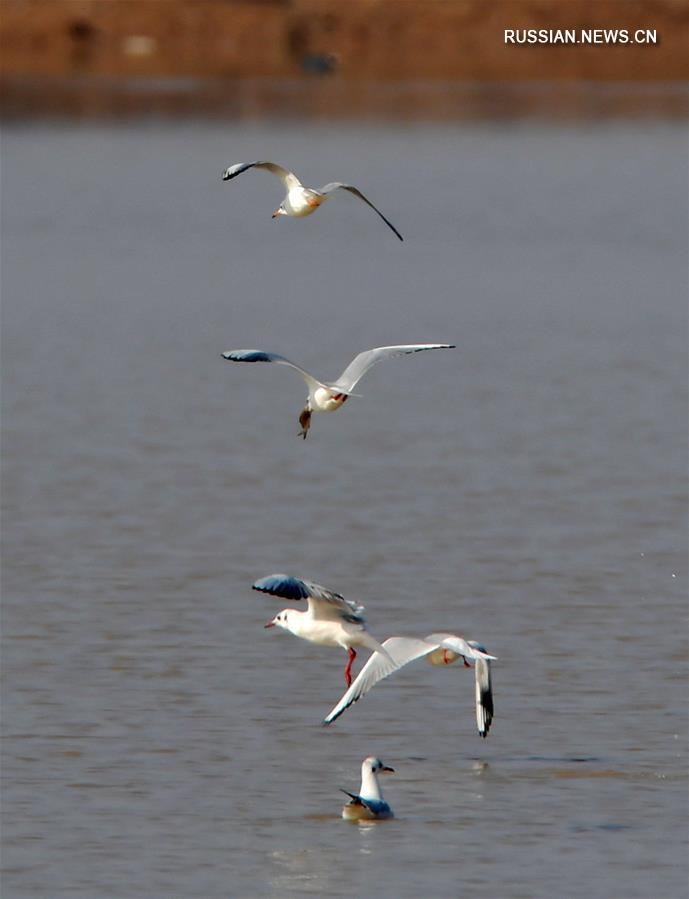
390 59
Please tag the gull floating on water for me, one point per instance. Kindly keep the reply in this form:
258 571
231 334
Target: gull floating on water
328 397
439 649
330 620
300 200
368 804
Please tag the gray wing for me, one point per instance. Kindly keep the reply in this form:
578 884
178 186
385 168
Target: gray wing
289 179
375 806
338 185
481 658
470 649
358 367
484 697
323 603
484 691
261 356
401 651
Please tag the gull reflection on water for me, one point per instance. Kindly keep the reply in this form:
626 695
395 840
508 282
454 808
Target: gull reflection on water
303 871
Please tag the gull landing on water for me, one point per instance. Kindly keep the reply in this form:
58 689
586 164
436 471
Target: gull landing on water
300 200
438 649
330 620
328 397
368 804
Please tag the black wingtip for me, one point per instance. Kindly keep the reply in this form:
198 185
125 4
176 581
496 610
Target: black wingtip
334 718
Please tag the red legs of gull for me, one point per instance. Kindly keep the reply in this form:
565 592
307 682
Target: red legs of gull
466 664
348 669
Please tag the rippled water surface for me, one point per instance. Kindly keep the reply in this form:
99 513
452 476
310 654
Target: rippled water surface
526 489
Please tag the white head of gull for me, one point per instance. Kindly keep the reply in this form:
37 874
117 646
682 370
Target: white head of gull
299 200
438 649
330 619
328 397
368 804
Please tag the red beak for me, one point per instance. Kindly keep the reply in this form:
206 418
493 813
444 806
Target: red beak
275 214
271 623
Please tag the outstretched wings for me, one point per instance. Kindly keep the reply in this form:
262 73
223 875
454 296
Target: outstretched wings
338 185
323 603
358 367
289 179
262 356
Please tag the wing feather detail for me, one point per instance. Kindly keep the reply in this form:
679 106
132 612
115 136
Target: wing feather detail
484 696
323 603
358 367
401 651
338 185
263 356
289 179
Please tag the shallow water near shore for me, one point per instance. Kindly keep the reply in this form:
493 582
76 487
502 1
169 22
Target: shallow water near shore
527 489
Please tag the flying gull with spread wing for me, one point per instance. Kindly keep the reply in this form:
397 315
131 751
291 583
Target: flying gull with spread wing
330 396
330 619
299 200
438 649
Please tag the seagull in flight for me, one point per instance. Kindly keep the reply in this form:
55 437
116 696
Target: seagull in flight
438 649
300 200
330 619
328 397
368 804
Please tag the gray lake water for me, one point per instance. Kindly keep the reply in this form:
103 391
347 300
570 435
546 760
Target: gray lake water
527 489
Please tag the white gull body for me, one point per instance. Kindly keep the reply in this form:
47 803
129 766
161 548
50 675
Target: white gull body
301 201
368 804
328 397
438 649
330 619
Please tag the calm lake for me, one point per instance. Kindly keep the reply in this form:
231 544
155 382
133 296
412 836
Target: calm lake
527 490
